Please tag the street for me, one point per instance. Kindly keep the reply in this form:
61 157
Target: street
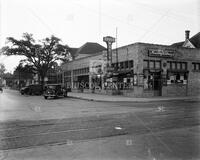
97 130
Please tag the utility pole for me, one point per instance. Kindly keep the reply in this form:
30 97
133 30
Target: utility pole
116 51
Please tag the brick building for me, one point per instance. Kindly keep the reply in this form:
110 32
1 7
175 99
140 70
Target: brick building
139 70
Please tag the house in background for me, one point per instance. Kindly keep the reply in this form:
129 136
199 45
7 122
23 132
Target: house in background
193 42
85 50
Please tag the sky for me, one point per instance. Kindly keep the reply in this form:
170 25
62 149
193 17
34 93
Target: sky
79 21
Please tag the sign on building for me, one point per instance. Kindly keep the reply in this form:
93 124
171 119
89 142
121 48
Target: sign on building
109 40
97 67
161 53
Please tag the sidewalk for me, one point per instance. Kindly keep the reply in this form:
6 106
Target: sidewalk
118 98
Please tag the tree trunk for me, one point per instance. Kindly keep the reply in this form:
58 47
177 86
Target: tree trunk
42 82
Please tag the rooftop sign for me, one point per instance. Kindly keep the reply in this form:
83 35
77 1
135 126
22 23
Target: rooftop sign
108 39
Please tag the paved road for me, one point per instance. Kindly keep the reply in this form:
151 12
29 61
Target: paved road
151 118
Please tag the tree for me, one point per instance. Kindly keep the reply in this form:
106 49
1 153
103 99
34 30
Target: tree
9 78
2 69
2 72
41 55
24 71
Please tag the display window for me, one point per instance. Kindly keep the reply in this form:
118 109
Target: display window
177 77
148 81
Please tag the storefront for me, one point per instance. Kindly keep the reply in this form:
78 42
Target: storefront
143 70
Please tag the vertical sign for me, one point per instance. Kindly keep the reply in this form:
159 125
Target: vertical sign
109 40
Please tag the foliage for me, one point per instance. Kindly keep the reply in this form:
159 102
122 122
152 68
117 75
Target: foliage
2 69
42 55
24 72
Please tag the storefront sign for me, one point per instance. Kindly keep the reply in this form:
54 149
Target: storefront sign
161 53
108 39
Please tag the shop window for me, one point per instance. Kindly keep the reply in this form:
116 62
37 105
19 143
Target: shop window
84 70
87 69
131 63
121 65
147 80
113 65
126 64
176 77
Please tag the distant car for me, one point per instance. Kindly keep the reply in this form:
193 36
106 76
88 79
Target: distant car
33 89
24 90
54 91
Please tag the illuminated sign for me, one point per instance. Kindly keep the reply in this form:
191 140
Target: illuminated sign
161 53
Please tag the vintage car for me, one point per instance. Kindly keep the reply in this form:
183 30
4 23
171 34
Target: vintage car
33 89
54 91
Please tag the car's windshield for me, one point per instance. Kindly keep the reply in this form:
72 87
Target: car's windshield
53 86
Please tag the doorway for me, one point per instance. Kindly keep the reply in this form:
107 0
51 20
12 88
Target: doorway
156 83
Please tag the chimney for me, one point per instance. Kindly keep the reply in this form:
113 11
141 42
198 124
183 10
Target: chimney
187 34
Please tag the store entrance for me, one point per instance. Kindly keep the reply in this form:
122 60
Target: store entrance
156 83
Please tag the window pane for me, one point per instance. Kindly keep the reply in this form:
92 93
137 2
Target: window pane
168 65
198 66
145 64
184 66
131 64
178 65
173 65
121 65
126 64
151 64
158 64
194 66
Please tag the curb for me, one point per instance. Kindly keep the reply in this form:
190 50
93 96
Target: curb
137 101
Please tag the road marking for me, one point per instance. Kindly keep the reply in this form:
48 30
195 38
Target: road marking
118 128
160 109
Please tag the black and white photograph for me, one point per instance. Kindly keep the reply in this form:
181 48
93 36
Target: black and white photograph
99 79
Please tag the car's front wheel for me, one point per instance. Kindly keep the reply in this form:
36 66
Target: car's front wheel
45 97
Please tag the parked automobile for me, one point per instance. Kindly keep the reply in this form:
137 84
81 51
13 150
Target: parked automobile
54 91
33 89
1 89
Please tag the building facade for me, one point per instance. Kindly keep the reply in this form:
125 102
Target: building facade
138 70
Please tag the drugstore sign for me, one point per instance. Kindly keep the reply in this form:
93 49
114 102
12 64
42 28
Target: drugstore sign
161 53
